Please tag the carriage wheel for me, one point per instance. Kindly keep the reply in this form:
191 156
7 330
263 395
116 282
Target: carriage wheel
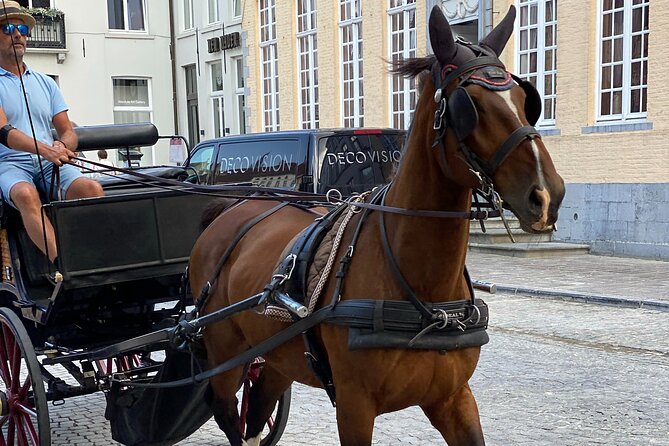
24 416
277 422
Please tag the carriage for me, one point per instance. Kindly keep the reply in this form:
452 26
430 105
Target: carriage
399 324
122 257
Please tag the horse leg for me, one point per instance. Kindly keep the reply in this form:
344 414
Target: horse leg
355 418
263 397
224 404
457 419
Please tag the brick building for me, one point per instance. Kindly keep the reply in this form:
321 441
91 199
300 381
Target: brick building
597 64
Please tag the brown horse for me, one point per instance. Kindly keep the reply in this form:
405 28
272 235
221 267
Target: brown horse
480 137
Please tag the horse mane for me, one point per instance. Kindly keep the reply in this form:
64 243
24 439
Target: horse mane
213 210
418 67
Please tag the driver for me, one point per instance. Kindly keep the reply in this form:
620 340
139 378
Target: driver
21 157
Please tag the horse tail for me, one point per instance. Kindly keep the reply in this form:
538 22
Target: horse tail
214 209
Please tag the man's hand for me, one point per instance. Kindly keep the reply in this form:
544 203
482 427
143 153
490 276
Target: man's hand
57 153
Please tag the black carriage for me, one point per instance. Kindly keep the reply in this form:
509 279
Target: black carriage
119 275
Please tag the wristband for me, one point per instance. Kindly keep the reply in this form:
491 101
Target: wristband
4 133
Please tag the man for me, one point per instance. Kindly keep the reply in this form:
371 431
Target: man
21 168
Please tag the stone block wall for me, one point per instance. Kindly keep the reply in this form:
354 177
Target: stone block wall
622 219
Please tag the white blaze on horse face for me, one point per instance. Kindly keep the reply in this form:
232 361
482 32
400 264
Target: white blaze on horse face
506 95
543 193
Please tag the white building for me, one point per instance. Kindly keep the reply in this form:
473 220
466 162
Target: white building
210 68
113 62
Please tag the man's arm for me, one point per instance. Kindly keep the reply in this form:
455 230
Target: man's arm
18 140
66 134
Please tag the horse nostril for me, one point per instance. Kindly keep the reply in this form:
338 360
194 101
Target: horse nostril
537 199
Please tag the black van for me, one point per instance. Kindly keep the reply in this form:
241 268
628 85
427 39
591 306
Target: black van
313 160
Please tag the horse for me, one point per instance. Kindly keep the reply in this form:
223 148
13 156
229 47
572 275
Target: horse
472 129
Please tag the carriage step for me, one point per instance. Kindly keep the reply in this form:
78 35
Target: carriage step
546 249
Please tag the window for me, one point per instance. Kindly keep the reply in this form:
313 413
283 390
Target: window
236 8
357 162
212 10
350 36
35 3
217 100
623 59
192 107
402 27
537 52
276 162
188 22
239 92
308 63
269 67
126 15
201 161
132 103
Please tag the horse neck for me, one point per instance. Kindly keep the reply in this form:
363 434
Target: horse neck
430 251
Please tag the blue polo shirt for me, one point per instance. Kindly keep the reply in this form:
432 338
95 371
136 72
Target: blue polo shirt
44 98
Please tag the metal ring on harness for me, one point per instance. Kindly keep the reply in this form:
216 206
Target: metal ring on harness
441 314
329 198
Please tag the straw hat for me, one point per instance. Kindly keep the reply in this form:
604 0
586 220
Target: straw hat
12 10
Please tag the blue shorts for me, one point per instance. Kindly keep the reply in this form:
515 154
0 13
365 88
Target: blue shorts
17 168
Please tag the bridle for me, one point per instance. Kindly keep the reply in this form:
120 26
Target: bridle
457 111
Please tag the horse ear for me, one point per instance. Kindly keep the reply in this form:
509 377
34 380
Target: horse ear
499 36
441 37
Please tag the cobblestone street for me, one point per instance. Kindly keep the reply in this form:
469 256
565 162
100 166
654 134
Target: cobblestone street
554 373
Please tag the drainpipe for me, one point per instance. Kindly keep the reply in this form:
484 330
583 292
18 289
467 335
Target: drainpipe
173 57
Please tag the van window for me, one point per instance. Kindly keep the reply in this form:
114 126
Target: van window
354 163
271 163
201 161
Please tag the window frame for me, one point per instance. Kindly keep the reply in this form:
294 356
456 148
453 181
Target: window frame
352 21
124 108
408 90
184 25
540 50
217 97
307 51
626 115
126 19
269 84
240 96
236 3
217 13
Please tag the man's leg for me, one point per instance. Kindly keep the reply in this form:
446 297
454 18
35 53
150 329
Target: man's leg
26 199
83 187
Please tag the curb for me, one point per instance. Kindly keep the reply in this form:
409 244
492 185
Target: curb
589 298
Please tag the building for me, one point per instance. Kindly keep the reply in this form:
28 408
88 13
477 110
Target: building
261 65
111 59
596 64
209 72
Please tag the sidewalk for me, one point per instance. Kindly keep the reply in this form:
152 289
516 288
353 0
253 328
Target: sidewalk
586 278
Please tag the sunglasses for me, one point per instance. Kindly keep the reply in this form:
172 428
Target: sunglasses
9 28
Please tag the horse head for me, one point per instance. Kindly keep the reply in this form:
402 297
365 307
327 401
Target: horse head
483 122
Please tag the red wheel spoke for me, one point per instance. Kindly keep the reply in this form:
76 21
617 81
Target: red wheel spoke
23 391
4 355
20 432
2 436
270 423
26 410
11 431
16 368
34 438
